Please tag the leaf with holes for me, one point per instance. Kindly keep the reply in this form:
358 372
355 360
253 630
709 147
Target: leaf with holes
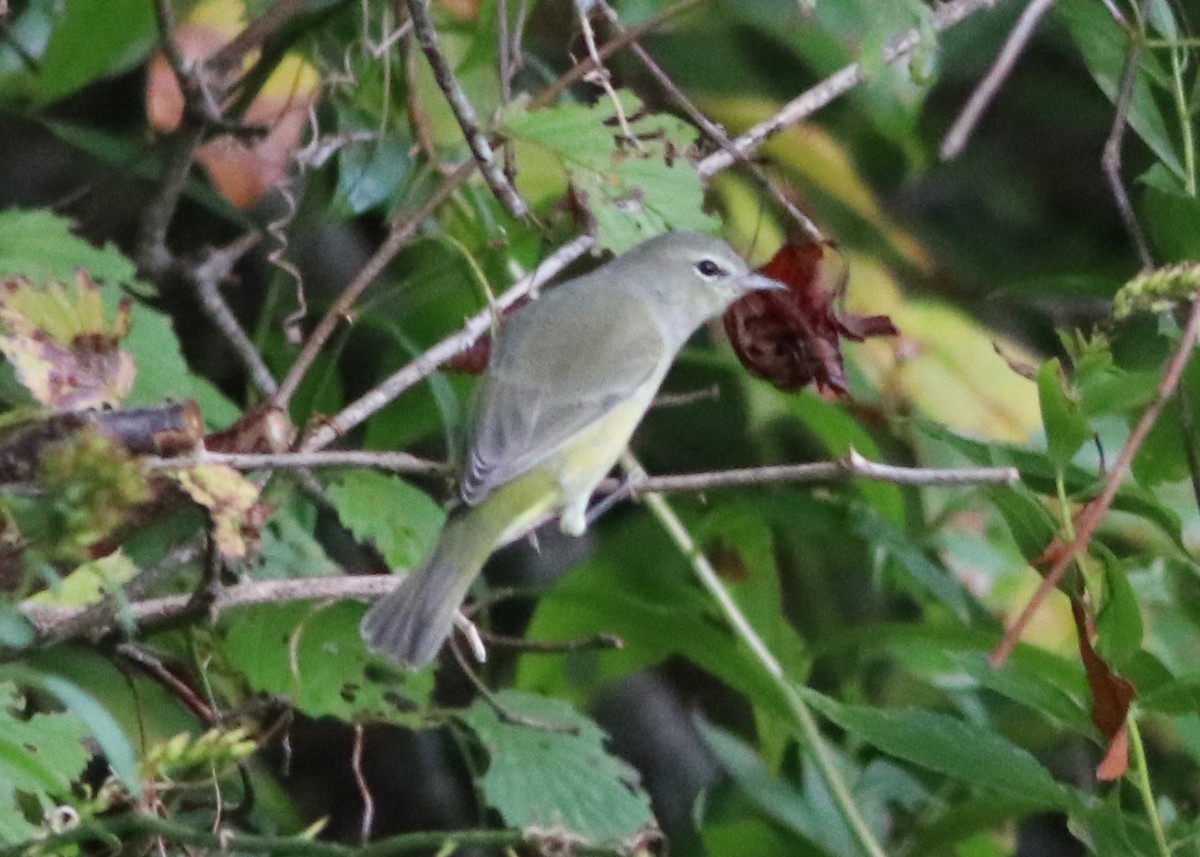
579 788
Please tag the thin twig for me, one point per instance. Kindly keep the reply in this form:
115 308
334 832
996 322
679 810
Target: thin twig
157 670
403 229
1110 160
393 462
464 112
584 67
714 131
553 647
504 712
424 365
805 722
837 84
207 277
600 75
956 138
360 782
1091 516
153 257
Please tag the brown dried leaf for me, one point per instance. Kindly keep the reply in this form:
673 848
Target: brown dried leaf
1111 698
61 346
793 338
232 502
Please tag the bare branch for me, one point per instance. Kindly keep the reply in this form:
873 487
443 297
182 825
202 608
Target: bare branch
1093 514
1110 160
394 462
581 69
837 84
424 365
852 466
50 622
956 138
464 112
404 228
206 277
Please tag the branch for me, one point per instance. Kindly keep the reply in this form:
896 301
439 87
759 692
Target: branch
981 98
1093 513
403 229
853 465
586 66
206 278
393 462
837 84
51 622
1110 159
424 365
464 112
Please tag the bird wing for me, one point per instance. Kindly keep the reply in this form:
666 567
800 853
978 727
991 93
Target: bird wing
560 364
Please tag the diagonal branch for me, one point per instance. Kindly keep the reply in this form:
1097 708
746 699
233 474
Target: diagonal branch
404 227
1093 513
981 98
424 365
837 84
464 112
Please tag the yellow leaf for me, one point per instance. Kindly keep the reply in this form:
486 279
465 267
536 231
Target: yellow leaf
231 500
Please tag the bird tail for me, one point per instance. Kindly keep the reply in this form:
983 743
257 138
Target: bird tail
411 623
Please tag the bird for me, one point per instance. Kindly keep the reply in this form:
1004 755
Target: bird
569 378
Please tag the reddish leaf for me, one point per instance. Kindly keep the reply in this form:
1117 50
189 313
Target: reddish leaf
793 338
1111 698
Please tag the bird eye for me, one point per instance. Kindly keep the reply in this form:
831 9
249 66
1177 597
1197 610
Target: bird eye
709 269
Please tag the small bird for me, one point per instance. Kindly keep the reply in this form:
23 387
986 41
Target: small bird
569 378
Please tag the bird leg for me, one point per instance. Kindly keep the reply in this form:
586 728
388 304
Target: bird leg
629 486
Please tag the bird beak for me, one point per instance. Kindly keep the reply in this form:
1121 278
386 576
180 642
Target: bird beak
758 283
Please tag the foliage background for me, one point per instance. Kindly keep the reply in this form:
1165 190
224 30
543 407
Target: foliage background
266 728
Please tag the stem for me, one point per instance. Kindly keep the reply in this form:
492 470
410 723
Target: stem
806 723
1142 779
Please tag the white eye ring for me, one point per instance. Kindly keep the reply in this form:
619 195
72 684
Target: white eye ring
709 269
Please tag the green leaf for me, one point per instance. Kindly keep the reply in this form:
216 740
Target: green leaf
918 573
312 654
1104 45
780 800
88 40
16 632
370 172
553 779
1172 218
41 754
633 192
1031 526
1066 429
1119 625
1039 473
400 520
639 588
103 727
953 747
40 246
